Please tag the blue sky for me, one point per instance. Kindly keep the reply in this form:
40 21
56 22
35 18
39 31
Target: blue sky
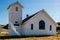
52 7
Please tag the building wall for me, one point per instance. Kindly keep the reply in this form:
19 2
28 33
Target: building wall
26 26
15 15
14 30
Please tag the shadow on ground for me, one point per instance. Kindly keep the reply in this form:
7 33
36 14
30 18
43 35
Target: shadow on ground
8 37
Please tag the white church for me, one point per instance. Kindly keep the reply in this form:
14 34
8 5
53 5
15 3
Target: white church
39 23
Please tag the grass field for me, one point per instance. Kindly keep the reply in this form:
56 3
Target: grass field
56 37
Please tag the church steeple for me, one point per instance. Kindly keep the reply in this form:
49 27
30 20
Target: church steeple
15 3
15 18
15 12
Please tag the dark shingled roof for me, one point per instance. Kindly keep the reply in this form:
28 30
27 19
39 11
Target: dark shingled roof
29 17
6 26
58 23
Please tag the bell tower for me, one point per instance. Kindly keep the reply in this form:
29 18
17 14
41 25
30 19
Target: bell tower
15 16
15 13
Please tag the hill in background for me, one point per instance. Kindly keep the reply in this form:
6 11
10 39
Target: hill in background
3 31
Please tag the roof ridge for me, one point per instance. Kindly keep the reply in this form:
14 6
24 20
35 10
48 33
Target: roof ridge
13 4
31 16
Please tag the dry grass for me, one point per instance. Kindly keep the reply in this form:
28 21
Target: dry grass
3 33
56 37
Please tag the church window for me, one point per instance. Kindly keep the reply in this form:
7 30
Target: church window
50 27
41 24
16 8
16 21
31 26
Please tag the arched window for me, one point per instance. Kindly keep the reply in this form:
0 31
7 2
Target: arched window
16 8
41 24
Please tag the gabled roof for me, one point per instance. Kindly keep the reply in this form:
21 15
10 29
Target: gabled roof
14 4
37 13
29 17
26 19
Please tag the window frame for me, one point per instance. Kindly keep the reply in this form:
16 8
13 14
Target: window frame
16 9
41 23
31 26
50 27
